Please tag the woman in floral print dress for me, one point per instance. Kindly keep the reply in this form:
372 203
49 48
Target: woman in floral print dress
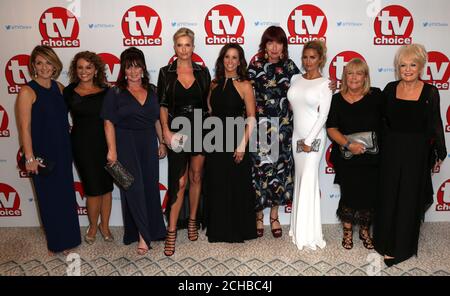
271 73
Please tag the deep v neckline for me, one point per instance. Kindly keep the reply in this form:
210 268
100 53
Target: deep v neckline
186 88
137 101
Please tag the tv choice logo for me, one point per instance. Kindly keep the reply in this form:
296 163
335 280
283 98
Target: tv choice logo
112 68
81 198
338 63
447 126
4 122
17 72
141 26
305 23
393 26
224 24
443 197
59 28
329 168
9 201
195 58
437 70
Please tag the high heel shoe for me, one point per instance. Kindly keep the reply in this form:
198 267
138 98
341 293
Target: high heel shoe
107 238
169 244
277 232
347 239
142 251
260 231
88 239
365 237
192 230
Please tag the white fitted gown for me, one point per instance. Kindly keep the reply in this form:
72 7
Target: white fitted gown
310 101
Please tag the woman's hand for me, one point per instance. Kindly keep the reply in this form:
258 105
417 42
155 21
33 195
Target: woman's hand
239 154
162 150
33 166
306 148
167 138
111 157
357 148
437 165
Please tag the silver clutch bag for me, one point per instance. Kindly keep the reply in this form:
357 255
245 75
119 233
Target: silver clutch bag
314 145
368 139
121 175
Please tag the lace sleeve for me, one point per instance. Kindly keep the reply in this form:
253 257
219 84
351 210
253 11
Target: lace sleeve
436 128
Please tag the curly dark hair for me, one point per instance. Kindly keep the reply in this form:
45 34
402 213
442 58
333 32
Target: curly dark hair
241 69
273 33
132 57
94 59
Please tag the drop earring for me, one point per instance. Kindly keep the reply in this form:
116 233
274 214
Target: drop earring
281 56
266 55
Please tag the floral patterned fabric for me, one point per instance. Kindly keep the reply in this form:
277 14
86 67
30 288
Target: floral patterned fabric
271 173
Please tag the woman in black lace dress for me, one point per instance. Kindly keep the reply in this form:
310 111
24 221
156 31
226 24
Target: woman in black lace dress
413 144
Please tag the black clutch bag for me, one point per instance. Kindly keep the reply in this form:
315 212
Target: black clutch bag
120 174
49 165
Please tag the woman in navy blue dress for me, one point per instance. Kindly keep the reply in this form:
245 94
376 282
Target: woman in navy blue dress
44 132
132 128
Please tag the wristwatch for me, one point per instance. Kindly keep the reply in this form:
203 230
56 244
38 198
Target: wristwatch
347 145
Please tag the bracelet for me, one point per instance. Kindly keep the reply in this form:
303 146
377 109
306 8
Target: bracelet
30 160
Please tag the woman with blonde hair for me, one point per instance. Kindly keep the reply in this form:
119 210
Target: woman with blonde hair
44 136
355 109
183 89
413 145
310 98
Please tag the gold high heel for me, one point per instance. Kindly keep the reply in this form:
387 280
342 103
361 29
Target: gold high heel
107 238
88 239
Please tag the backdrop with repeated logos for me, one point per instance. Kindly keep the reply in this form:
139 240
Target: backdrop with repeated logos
372 29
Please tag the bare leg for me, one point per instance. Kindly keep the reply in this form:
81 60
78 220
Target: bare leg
260 223
93 205
169 244
195 184
105 213
176 206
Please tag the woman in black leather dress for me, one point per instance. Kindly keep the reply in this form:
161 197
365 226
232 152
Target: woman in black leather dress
183 88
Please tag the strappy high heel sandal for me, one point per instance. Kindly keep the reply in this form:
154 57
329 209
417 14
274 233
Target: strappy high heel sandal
192 230
365 237
260 231
169 244
347 239
277 232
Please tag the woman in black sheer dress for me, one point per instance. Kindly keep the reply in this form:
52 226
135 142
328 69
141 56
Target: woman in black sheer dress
413 144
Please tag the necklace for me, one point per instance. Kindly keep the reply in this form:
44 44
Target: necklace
232 78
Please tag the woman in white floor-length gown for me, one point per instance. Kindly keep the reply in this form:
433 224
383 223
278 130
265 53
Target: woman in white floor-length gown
310 98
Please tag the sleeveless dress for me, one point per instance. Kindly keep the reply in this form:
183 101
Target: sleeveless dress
88 140
137 150
310 101
230 200
55 192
